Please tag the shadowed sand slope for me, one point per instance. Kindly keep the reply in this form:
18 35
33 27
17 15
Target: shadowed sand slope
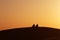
31 33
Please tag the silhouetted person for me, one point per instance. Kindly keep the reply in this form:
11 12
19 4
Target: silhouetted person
37 25
33 25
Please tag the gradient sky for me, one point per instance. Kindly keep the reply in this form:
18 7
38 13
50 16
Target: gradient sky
18 13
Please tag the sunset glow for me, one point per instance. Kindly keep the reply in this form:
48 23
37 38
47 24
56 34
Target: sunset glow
21 13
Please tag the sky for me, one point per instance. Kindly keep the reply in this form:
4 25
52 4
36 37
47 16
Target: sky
24 13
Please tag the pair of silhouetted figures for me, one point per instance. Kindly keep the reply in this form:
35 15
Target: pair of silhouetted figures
34 25
31 33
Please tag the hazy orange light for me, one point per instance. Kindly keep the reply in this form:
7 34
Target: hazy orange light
18 13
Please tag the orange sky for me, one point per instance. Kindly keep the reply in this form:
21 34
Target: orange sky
18 13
